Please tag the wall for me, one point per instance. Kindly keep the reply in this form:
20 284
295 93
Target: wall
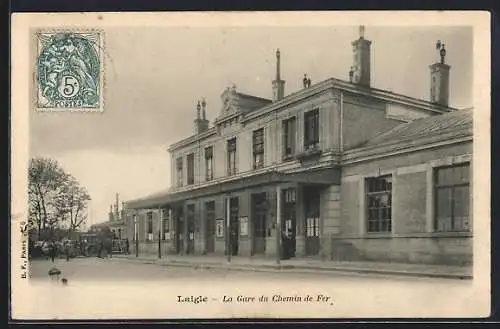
326 102
412 238
363 118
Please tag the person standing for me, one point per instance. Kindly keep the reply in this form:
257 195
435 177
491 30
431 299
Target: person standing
67 250
52 251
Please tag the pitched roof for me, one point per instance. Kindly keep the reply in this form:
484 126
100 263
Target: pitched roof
459 120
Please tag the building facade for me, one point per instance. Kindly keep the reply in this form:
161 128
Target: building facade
345 171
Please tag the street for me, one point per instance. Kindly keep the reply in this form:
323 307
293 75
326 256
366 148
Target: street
116 269
121 288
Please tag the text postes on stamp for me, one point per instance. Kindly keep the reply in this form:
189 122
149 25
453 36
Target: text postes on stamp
69 71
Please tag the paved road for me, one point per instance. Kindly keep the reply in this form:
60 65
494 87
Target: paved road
122 269
121 288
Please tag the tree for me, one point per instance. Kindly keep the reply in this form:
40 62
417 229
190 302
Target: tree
71 204
54 197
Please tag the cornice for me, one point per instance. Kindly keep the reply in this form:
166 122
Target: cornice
383 151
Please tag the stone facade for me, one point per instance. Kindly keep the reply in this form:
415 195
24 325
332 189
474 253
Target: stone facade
328 210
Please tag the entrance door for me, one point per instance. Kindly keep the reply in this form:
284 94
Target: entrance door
259 223
190 228
235 225
179 230
288 223
312 205
210 226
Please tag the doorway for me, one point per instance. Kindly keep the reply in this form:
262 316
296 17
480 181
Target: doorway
179 230
234 227
288 223
312 216
210 226
259 211
190 228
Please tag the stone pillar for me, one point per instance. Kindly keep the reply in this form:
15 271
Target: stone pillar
300 223
330 220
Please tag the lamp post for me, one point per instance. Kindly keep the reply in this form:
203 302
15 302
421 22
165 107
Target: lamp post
136 233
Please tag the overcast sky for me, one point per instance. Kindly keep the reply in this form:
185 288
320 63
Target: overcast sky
154 76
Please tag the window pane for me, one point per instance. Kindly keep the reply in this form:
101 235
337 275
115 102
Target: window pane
443 209
463 174
461 208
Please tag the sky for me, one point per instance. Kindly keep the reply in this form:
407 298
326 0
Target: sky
155 75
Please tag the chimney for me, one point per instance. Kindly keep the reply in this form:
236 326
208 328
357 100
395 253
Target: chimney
117 213
201 122
361 61
278 84
110 214
440 78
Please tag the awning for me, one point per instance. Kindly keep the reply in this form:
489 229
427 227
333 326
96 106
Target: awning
323 176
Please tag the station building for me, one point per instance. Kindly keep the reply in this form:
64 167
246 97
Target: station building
345 170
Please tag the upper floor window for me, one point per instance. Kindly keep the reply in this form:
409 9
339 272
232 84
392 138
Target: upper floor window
258 148
311 128
209 163
190 169
179 169
451 196
379 201
289 128
231 156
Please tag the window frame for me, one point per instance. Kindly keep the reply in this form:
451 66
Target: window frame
436 186
231 156
209 158
149 224
165 223
258 148
380 221
311 116
179 169
289 137
190 169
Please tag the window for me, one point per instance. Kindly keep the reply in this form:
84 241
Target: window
231 156
311 129
289 137
166 223
179 172
379 201
258 148
149 226
451 193
209 159
190 169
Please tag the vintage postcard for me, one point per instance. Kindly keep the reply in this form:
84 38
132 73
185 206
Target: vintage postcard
250 165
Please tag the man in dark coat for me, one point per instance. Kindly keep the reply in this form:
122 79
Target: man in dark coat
52 250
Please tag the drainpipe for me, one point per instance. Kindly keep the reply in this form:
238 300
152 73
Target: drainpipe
160 220
341 139
136 233
278 224
228 225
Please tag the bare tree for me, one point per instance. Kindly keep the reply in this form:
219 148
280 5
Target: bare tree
71 204
54 196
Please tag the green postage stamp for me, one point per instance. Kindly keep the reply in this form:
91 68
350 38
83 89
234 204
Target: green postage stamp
69 70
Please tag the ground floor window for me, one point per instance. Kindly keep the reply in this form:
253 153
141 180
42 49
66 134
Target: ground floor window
149 228
166 223
451 197
379 204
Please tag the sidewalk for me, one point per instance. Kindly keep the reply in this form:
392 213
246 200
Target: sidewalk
304 265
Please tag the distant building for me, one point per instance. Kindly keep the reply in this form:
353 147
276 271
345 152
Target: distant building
351 172
116 221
